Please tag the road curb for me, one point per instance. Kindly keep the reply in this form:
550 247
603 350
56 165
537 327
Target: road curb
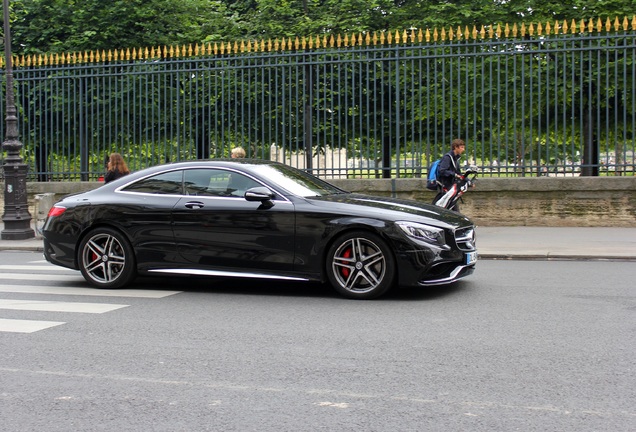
554 257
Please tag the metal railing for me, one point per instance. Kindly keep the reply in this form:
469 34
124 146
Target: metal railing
528 100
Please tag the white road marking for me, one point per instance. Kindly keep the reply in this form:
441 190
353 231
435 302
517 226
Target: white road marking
43 267
36 276
25 326
42 271
137 293
54 306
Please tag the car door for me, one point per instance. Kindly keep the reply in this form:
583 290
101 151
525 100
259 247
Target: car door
215 227
145 210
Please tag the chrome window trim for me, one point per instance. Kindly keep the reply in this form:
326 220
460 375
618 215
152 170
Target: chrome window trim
280 197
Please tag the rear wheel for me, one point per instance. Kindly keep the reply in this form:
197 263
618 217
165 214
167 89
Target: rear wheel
106 259
360 265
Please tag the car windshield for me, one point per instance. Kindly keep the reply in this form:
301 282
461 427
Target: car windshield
296 181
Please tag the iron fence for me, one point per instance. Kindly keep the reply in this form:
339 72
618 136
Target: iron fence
528 100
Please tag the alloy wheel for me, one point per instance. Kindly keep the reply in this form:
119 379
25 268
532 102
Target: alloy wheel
103 259
359 265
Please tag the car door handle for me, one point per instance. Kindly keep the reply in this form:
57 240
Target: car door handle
194 204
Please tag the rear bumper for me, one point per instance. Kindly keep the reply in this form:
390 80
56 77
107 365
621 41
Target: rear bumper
61 254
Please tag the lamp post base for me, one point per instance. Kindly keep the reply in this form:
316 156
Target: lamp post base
16 218
18 233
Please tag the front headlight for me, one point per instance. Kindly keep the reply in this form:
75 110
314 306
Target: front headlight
423 232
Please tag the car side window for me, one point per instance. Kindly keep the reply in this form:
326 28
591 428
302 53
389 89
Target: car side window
169 183
238 184
206 182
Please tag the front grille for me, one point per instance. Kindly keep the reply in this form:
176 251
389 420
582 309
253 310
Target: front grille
465 238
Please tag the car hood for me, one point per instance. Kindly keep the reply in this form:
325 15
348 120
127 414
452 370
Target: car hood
396 209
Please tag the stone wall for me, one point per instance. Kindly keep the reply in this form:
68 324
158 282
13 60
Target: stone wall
543 201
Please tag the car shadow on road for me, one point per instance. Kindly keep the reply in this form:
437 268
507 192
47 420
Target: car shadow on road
277 288
289 288
239 286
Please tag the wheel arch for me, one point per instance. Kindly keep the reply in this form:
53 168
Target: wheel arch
90 228
373 226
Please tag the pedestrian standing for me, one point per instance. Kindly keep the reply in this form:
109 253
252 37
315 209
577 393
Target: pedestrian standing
116 168
238 152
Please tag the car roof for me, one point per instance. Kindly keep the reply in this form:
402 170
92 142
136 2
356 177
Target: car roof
225 163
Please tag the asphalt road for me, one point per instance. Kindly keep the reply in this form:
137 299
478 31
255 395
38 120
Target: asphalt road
520 345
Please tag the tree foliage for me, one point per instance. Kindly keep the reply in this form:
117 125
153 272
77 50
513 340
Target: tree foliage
50 26
53 26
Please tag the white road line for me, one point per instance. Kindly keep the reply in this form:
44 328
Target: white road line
43 267
35 276
54 306
26 326
137 293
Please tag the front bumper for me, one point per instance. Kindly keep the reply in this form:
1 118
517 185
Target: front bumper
428 265
455 274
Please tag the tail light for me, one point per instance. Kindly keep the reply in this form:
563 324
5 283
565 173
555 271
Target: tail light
56 211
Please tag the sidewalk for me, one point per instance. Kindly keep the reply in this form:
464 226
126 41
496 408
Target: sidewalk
508 243
576 243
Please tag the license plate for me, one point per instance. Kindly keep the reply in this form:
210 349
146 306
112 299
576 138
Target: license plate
471 258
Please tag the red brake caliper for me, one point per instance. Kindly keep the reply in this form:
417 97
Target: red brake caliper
93 256
343 270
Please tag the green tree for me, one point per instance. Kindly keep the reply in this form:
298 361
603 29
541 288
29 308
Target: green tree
49 26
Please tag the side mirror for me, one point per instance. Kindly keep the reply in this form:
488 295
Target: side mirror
259 193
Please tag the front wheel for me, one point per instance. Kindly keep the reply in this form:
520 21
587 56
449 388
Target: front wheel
360 265
106 259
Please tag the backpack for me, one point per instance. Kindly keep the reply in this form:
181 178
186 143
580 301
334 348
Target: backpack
431 181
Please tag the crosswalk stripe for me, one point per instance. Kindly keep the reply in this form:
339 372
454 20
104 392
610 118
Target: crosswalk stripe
24 267
26 326
137 293
55 306
42 271
33 276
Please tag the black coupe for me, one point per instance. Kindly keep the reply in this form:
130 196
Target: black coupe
255 219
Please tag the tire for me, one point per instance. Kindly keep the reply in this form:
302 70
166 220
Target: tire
106 259
360 265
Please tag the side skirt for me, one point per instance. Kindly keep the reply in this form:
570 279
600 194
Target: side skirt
218 273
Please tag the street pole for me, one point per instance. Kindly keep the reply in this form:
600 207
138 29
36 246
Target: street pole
16 218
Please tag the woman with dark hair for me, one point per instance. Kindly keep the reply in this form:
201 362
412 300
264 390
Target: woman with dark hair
116 168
